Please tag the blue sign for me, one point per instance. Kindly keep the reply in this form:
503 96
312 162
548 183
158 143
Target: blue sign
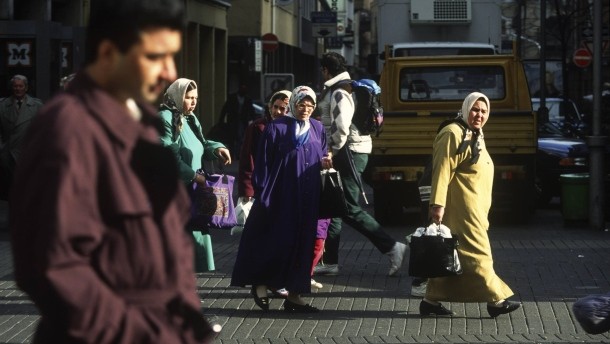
323 17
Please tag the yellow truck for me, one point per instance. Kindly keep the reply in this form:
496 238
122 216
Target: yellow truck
418 93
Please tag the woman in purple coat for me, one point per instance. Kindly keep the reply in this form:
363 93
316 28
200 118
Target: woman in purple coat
276 247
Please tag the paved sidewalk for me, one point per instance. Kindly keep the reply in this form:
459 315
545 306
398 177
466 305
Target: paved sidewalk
547 265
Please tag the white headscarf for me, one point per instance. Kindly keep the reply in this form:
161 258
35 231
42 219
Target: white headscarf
284 92
464 114
176 92
298 94
469 103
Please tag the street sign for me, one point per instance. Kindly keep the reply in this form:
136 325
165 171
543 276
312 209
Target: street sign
270 42
582 58
323 24
258 56
273 82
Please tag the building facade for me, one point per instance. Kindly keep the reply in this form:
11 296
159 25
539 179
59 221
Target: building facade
45 39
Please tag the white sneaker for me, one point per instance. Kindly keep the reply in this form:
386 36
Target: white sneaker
329 269
419 290
315 284
397 254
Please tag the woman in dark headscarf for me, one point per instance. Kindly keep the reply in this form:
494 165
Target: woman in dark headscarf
182 132
276 247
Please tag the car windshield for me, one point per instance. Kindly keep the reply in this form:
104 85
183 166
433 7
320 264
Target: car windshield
450 83
549 129
559 109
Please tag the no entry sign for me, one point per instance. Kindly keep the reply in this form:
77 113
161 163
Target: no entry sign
270 43
582 58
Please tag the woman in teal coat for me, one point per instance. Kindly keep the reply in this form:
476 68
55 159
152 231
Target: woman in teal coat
182 132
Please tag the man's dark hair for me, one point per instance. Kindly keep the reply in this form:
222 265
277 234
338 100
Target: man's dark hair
334 62
121 21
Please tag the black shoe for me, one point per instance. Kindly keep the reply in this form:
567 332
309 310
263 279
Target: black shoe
292 307
262 302
507 307
426 309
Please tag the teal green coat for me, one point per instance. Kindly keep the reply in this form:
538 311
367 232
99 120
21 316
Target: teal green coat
187 146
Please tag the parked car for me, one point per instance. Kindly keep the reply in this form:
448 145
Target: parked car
565 114
557 155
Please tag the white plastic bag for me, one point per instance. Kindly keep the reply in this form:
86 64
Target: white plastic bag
242 209
431 230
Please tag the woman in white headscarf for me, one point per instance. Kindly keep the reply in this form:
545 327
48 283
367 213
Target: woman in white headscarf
462 180
182 132
276 247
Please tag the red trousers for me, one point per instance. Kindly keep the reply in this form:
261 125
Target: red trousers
318 250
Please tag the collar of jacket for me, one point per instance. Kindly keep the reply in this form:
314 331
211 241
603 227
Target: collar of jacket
114 116
337 78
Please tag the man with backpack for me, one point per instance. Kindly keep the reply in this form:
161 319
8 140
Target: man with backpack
350 149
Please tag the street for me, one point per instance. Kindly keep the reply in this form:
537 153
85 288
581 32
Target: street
546 263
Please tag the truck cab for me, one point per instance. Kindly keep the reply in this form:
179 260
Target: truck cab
420 92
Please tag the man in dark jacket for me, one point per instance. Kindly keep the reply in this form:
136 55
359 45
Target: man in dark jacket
97 211
237 112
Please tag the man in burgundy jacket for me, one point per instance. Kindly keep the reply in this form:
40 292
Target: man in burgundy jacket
97 211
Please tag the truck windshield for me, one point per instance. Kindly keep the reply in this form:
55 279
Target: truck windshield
450 83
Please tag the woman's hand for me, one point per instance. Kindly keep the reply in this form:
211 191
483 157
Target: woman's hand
224 154
199 179
436 213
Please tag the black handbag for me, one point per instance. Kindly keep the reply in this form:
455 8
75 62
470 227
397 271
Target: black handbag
434 253
332 197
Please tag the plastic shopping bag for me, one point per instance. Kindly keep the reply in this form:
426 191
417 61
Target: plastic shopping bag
242 209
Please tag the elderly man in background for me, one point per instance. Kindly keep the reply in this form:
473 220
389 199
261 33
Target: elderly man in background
16 113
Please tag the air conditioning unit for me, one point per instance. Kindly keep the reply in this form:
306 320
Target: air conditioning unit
441 11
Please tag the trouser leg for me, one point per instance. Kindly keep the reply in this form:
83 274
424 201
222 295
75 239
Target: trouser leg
358 218
331 245
318 250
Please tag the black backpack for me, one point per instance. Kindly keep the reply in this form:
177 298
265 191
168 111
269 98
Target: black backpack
368 112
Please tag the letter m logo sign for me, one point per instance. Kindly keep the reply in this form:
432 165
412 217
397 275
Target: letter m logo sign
19 54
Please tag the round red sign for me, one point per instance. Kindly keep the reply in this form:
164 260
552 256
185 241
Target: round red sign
270 42
582 58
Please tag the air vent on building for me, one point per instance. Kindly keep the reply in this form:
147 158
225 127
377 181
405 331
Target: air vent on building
441 11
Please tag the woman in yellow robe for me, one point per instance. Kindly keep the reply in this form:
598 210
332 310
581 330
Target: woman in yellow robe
462 181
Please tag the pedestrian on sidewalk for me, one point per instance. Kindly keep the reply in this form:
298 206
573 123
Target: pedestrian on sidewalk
337 110
460 198
277 243
183 134
277 107
16 114
97 210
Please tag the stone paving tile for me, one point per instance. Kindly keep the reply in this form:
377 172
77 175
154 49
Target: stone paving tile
547 265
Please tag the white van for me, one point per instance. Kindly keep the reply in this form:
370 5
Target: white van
441 48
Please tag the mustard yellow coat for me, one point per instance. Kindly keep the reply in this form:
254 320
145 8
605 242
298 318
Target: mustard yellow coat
464 189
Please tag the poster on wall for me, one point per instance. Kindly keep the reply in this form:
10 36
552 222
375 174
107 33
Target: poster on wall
17 56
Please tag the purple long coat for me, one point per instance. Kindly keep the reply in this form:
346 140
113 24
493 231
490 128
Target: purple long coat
276 247
97 221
